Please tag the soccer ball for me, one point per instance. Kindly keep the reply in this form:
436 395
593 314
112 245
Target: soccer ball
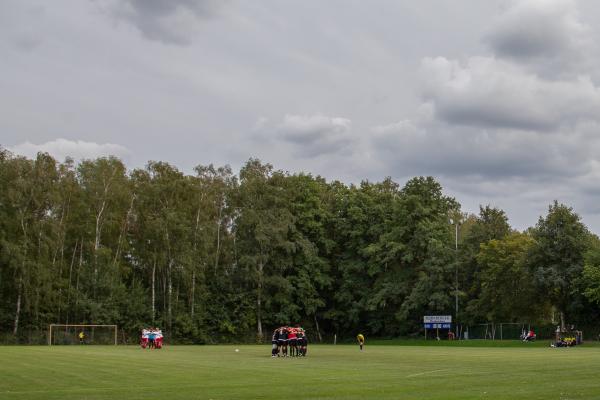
237 350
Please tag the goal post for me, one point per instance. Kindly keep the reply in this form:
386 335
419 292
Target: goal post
92 334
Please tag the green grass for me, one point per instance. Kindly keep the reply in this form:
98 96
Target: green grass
433 371
466 343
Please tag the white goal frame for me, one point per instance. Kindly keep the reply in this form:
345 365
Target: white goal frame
52 326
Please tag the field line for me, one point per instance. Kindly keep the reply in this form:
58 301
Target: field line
426 373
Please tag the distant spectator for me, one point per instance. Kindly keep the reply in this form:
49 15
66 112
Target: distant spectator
530 337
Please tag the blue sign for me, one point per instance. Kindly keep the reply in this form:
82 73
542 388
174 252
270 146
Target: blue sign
437 326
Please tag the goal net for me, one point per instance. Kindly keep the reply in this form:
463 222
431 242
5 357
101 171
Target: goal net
81 334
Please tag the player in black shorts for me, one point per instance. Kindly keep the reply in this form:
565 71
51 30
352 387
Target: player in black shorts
283 340
302 342
292 342
275 343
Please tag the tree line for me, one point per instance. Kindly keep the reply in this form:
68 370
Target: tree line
215 256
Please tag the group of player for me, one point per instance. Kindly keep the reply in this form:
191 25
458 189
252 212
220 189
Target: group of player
152 338
289 341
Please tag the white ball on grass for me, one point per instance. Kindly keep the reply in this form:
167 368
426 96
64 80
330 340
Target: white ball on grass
237 350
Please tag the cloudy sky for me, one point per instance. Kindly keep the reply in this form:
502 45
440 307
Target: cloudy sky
498 99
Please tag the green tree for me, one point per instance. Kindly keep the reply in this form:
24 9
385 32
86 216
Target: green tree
310 272
490 224
358 222
591 272
430 249
262 229
507 290
557 257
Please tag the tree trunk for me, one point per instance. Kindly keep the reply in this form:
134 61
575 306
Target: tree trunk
259 303
60 267
78 274
18 310
218 237
562 321
193 293
123 231
97 240
193 300
20 283
164 296
97 243
60 241
317 328
170 305
235 256
36 306
70 280
63 235
153 291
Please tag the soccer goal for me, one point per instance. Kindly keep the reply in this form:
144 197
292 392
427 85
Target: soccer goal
81 334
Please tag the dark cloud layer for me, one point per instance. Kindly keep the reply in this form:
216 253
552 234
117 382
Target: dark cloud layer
524 119
308 136
168 21
444 150
538 29
490 92
504 110
547 36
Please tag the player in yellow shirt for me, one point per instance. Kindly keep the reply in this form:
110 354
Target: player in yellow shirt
81 337
361 340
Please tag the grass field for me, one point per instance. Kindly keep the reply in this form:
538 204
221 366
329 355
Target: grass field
513 371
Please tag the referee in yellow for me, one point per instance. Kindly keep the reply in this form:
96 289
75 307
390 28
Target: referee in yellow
361 340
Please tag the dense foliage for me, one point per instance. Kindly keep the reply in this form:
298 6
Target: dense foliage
216 256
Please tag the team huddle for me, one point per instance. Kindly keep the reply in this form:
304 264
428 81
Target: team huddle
151 338
290 341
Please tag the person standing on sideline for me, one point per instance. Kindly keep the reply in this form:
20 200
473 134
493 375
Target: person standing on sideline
81 337
361 340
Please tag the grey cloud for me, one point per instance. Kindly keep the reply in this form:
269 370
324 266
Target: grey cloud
167 21
27 41
490 93
520 171
520 126
315 135
538 28
443 150
523 199
545 36
308 136
517 127
18 30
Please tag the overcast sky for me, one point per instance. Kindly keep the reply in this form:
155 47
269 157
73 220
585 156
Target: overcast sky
498 99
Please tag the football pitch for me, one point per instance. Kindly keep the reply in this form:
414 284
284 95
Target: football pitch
513 371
